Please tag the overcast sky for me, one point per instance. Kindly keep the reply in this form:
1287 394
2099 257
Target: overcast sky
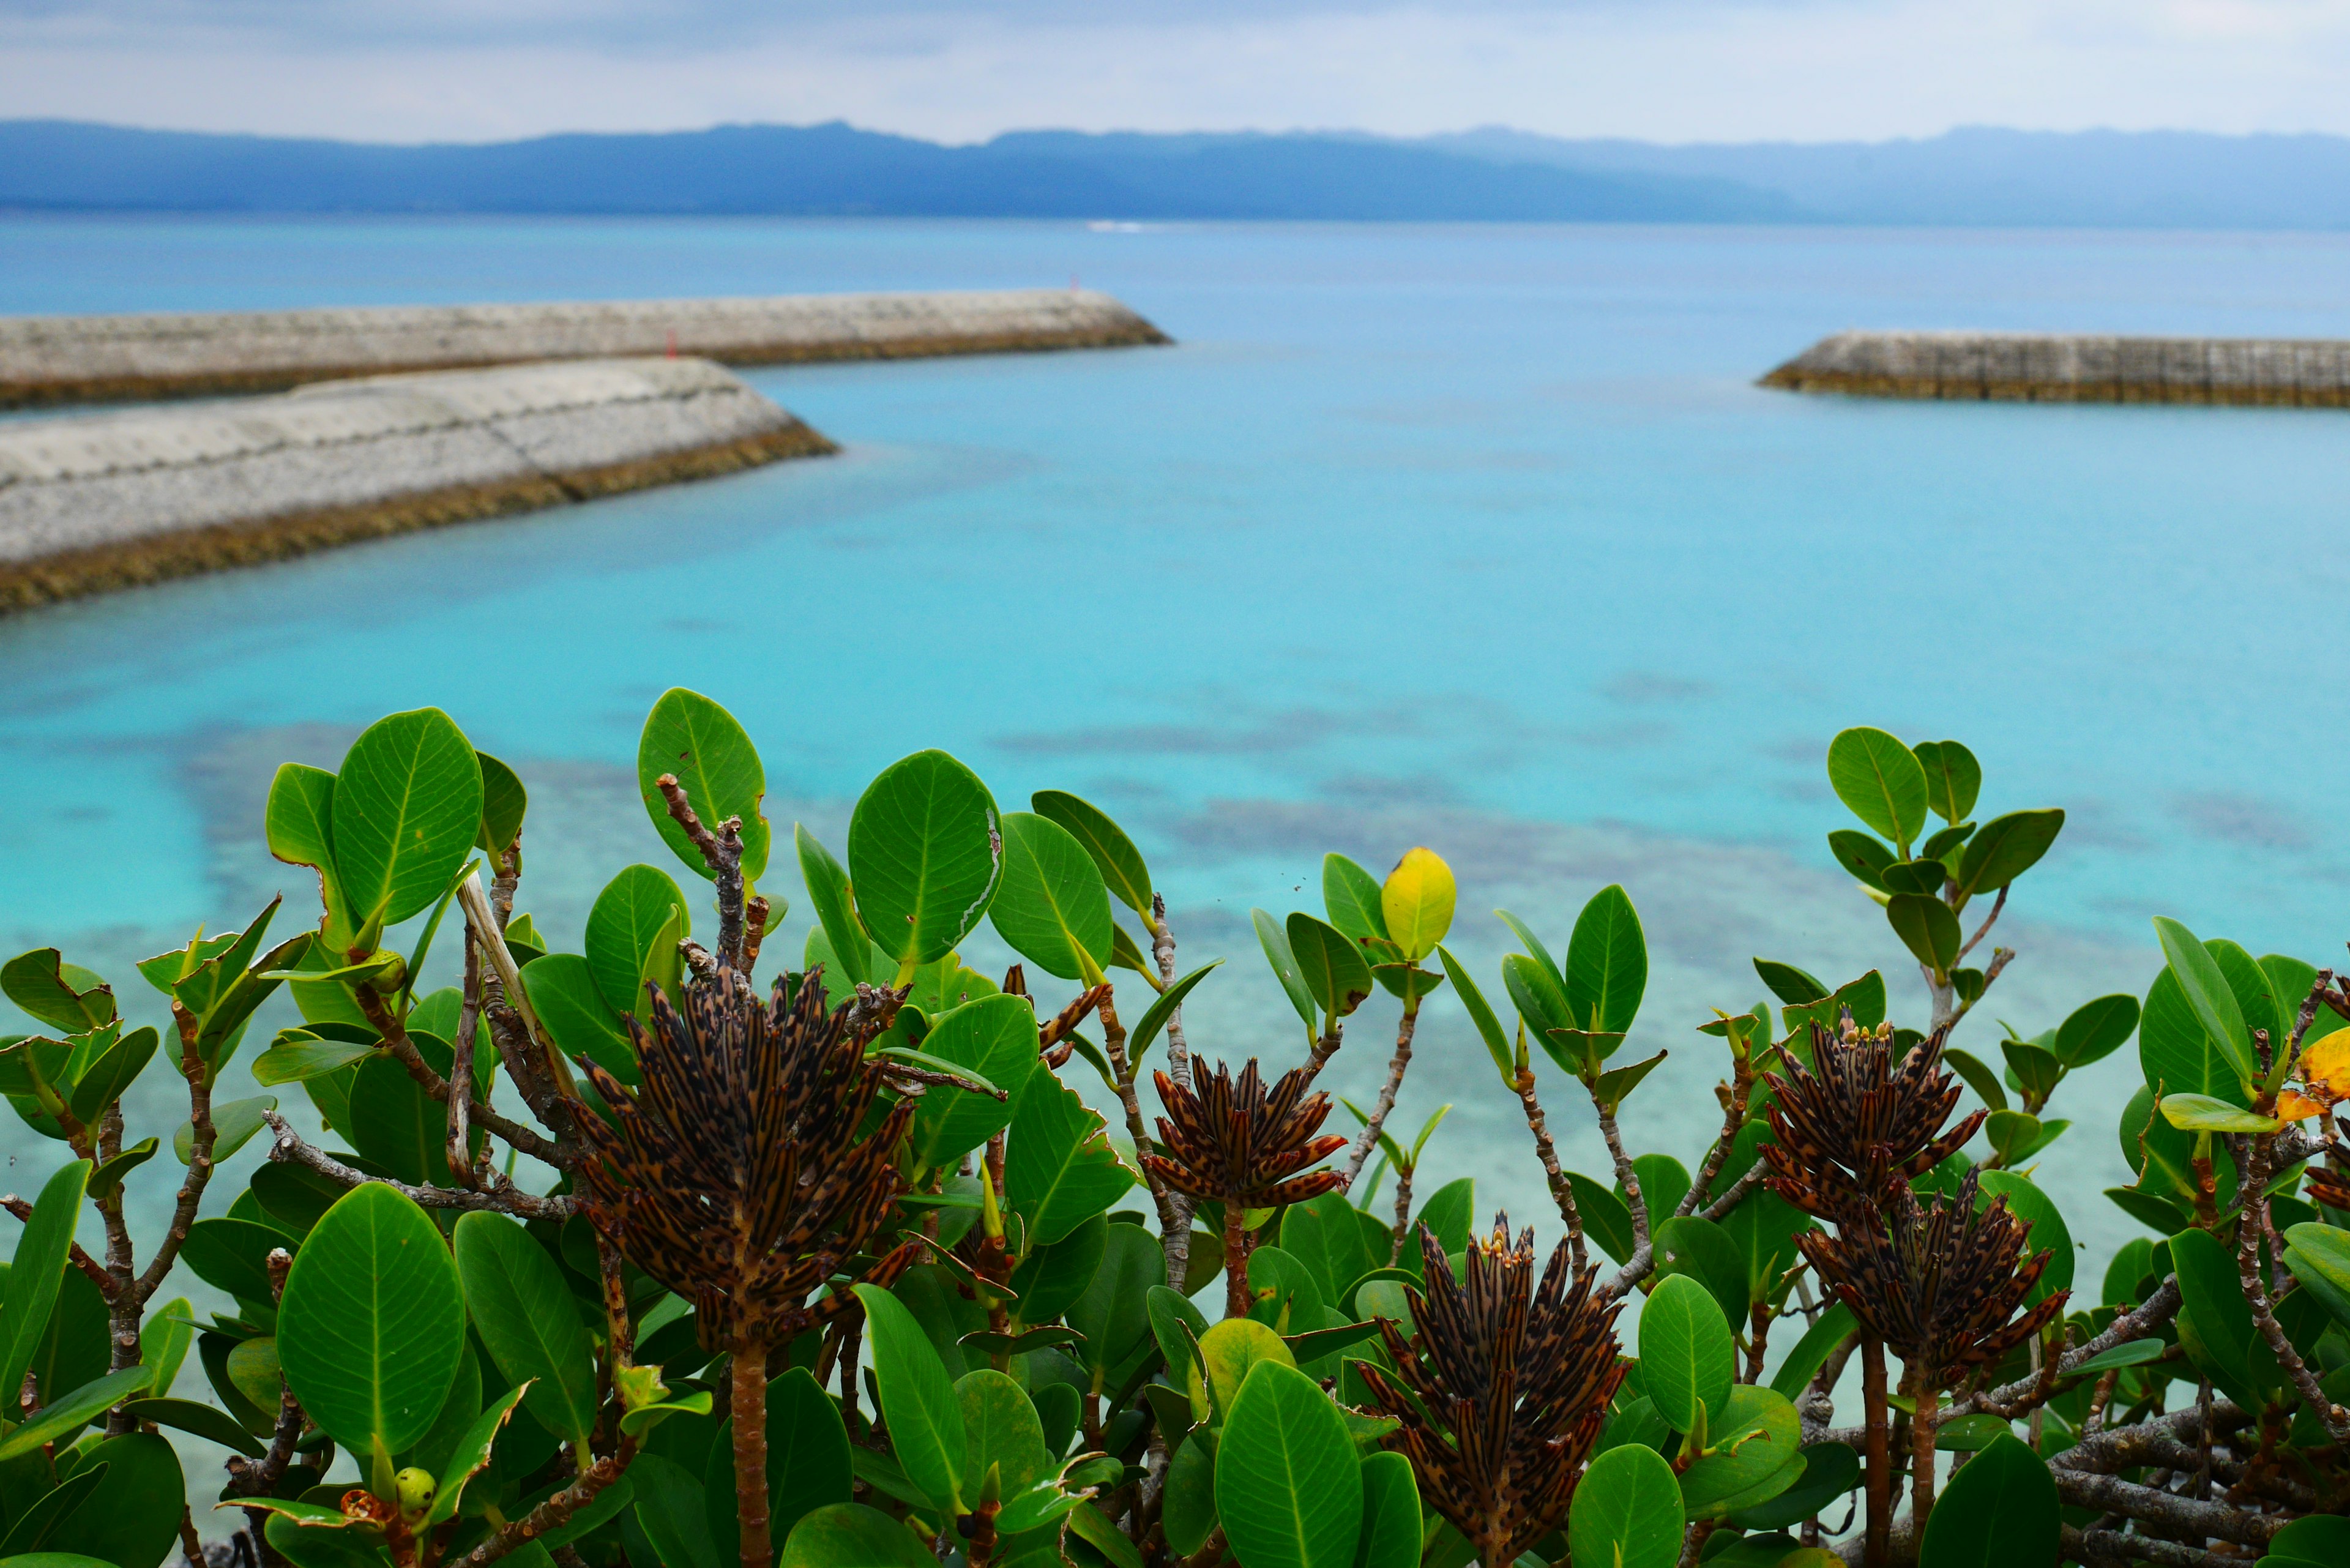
1664 70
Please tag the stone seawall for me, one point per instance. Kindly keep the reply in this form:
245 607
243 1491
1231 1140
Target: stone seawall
2043 367
55 359
95 502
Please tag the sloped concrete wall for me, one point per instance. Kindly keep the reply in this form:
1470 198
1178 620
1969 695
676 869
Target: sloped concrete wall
2043 367
102 501
94 358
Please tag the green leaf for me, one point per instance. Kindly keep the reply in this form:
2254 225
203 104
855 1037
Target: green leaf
233 1255
2215 1323
470 1455
36 1274
36 1522
1953 778
103 1082
2319 1257
66 997
2209 996
1054 1276
297 1054
1763 1227
1112 1314
1113 852
1927 928
1058 1167
2133 1352
2005 848
1053 908
2049 1233
1607 1217
2202 1113
1276 942
1178 1326
565 995
2035 1068
671 1510
700 744
1687 1358
132 1516
632 935
1228 1353
1607 964
1862 854
1627 1512
1336 974
1391 1523
1351 895
1327 1236
68 1413
407 808
503 802
1789 984
1999 1510
198 1420
1289 1488
1812 1352
1880 780
1979 1076
524 1312
2176 1054
1755 1439
807 1464
394 1123
1831 1471
2095 1030
1480 1014
925 1418
830 897
1189 1506
1704 1251
1000 1432
372 1322
1162 1008
1616 1084
995 1037
297 823
851 1535
2316 1538
925 853
163 1342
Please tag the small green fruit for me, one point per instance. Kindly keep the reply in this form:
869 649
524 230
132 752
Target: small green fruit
416 1488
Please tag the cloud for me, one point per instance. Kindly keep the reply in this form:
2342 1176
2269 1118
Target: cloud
1680 70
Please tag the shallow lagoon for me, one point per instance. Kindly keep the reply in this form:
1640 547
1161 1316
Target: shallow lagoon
1480 537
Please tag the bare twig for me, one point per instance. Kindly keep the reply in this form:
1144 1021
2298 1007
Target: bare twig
503 1197
1984 930
1562 1190
722 852
403 1050
556 1509
1386 1102
80 1259
1643 1259
460 1069
201 1137
1178 1242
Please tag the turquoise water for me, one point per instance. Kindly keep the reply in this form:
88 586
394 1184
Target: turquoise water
1481 537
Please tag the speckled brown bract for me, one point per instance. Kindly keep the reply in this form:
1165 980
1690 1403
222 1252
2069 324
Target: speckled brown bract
1236 1143
1939 1284
1854 1126
735 1174
1502 1390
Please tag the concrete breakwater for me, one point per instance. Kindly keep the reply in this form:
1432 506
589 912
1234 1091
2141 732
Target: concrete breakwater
106 500
2022 367
52 359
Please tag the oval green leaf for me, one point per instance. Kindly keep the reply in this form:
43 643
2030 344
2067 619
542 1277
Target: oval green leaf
918 1400
524 1312
1880 780
1289 1488
1607 964
372 1322
629 940
1687 1358
1627 1512
407 806
710 755
1114 853
1999 1510
1053 907
925 853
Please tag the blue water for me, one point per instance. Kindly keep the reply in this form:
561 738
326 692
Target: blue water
1477 537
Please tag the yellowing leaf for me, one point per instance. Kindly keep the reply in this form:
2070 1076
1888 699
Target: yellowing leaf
1417 900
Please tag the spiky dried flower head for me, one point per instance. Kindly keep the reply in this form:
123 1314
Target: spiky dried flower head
1233 1141
1857 1124
1940 1285
735 1174
1502 1389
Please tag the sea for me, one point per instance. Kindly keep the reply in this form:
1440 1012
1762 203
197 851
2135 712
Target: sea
1481 537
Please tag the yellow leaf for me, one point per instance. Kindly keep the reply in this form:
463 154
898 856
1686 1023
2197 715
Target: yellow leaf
1417 900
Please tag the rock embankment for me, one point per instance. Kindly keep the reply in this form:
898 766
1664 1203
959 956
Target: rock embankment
95 502
2021 366
56 360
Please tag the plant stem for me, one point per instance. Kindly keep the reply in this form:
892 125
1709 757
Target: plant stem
1878 1541
750 1411
1927 1400
1562 1191
1237 1298
1386 1102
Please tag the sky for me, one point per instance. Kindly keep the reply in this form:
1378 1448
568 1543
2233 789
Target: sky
961 71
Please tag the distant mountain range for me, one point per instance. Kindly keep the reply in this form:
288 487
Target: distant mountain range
1969 177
